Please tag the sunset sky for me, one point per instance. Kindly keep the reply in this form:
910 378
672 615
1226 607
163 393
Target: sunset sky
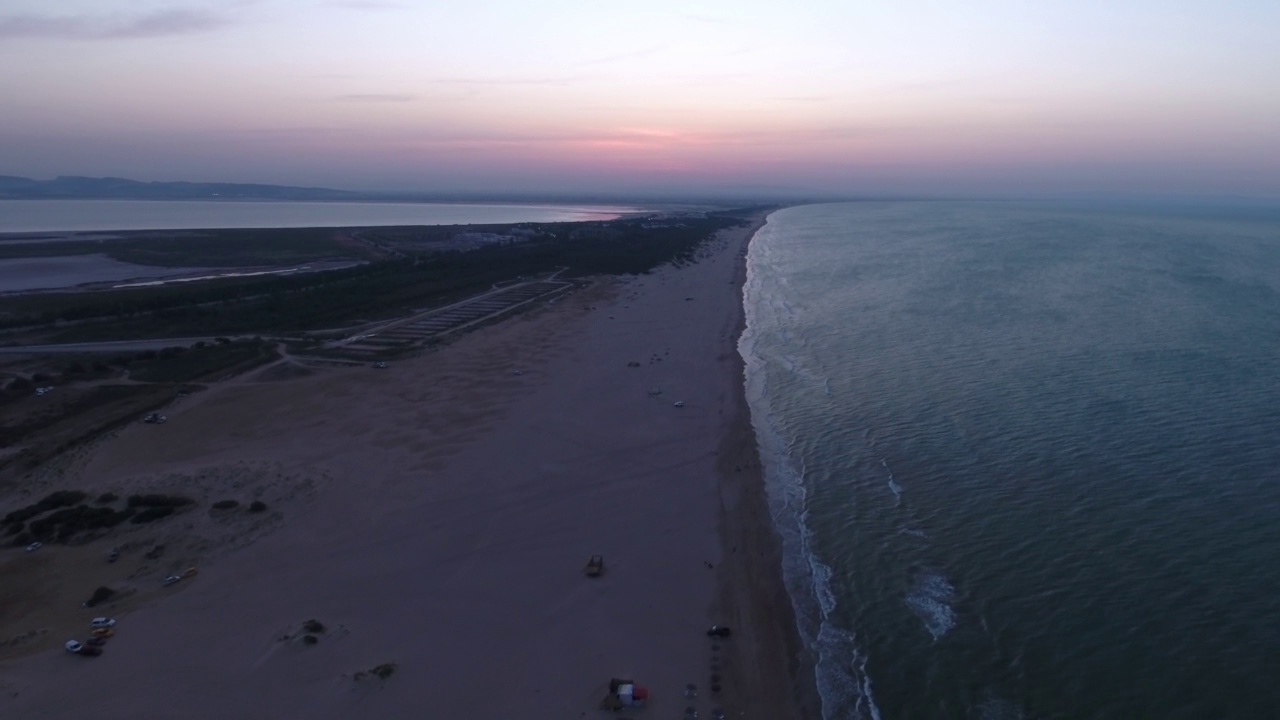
977 97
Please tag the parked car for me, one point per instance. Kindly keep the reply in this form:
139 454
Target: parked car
719 631
381 365
73 646
154 419
90 651
170 580
103 632
102 622
96 641
34 546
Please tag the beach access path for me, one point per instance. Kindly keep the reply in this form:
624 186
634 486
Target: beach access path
466 489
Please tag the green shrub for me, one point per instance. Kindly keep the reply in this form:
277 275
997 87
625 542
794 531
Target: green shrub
226 504
313 626
257 506
108 497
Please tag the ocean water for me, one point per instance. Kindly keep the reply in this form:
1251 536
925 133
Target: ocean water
88 215
1025 458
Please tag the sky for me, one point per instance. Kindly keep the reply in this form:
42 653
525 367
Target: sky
973 98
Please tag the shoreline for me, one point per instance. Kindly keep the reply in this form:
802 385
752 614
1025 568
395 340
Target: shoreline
775 674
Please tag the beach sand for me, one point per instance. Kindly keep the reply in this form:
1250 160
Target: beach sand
437 515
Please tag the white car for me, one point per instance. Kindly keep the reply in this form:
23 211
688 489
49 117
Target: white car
34 546
170 580
73 646
102 622
679 403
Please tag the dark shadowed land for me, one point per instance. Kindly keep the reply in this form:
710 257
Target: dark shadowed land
74 187
432 517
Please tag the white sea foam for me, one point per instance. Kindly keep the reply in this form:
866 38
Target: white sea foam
896 489
843 683
930 600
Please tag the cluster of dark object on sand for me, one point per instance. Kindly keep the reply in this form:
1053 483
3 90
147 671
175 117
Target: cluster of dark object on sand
626 693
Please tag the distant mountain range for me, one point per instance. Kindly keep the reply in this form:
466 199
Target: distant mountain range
72 187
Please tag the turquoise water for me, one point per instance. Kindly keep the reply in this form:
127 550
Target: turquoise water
1025 458
85 215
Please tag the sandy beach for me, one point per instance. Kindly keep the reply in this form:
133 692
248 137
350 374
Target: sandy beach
435 518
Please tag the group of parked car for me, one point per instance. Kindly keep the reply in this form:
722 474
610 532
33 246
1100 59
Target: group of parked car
102 628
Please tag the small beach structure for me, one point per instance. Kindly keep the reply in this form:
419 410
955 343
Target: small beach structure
624 693
595 566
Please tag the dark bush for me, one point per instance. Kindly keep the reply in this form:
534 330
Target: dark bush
225 504
23 539
313 626
20 385
64 523
52 501
169 501
108 497
310 639
43 529
101 595
15 528
257 506
152 513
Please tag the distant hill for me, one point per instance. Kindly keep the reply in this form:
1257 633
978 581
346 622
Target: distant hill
72 187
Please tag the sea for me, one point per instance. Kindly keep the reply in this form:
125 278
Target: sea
27 216
1025 457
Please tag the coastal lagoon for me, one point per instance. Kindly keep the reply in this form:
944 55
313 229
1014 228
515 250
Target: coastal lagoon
1023 457
25 216
52 273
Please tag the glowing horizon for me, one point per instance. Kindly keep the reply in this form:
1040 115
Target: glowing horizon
993 97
